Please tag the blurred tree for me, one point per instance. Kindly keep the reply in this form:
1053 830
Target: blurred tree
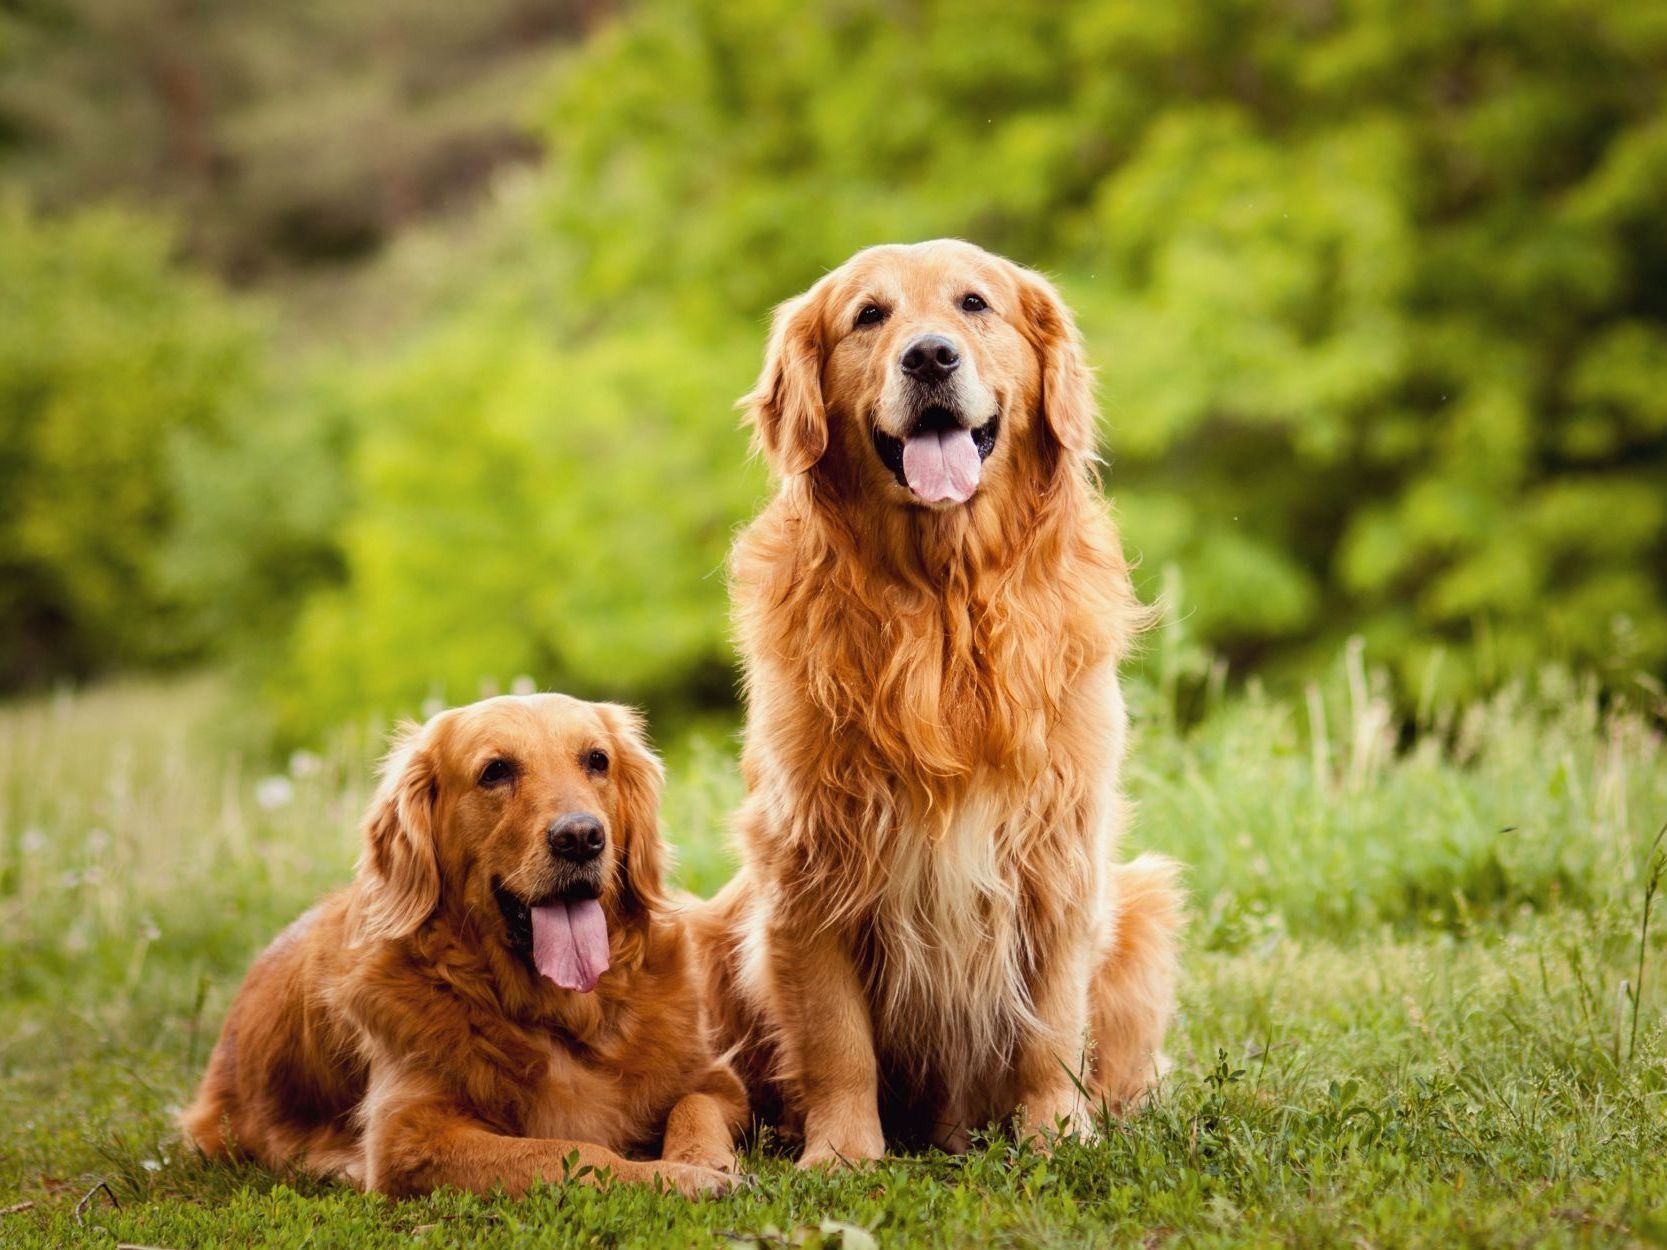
260 504
281 141
107 356
281 134
531 509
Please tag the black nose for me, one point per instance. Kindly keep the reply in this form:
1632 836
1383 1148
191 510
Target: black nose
930 358
576 837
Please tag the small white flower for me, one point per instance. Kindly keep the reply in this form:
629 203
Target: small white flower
148 928
274 792
151 1165
33 840
98 841
523 685
71 879
305 764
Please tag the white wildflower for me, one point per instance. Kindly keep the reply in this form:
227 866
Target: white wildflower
274 792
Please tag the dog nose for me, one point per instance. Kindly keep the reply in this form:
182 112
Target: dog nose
930 358
576 837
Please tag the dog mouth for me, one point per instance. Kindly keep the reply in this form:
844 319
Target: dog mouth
564 936
939 460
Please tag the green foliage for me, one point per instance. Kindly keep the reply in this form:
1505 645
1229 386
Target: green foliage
108 357
1376 291
1383 1038
1375 294
532 509
260 506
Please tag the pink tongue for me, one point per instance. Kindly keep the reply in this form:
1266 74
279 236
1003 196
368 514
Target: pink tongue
570 943
941 464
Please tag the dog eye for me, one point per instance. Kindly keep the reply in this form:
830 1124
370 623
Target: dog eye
597 762
497 773
871 315
972 302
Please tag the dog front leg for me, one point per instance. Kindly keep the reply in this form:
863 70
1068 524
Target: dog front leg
1051 1063
827 1041
424 1146
703 1124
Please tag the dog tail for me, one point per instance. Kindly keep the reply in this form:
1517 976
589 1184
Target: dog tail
203 1124
1134 988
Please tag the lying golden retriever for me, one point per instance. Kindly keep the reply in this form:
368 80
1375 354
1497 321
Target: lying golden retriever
929 931
500 994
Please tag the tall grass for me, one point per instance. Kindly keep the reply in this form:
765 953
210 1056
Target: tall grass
1331 817
1423 999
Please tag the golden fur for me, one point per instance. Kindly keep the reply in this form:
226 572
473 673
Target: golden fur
397 1037
929 929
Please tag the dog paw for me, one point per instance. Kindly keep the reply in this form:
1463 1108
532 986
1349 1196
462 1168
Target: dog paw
1049 1119
847 1153
1044 1139
692 1181
712 1160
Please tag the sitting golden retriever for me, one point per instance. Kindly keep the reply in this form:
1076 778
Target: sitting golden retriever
929 930
500 990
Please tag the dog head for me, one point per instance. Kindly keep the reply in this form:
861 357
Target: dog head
923 374
539 813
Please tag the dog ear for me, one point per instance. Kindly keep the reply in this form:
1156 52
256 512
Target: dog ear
1067 382
640 779
789 420
398 883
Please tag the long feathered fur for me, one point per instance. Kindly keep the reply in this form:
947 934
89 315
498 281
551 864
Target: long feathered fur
934 733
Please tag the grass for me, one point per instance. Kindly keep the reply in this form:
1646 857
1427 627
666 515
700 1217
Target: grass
1423 1002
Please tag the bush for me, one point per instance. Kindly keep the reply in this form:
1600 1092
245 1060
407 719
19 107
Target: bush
108 357
261 504
528 509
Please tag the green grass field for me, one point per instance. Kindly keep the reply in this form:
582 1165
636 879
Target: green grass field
1420 1007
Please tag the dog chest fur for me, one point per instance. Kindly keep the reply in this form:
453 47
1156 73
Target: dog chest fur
946 961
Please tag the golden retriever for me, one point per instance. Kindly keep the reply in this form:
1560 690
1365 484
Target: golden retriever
929 930
501 993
